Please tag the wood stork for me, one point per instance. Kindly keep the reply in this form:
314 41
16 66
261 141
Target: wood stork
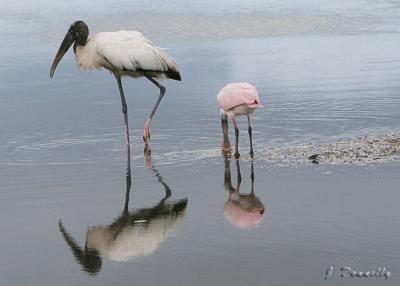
237 99
241 210
133 234
123 53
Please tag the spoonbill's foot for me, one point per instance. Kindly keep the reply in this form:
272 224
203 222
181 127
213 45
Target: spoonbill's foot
226 150
226 154
226 147
251 153
237 155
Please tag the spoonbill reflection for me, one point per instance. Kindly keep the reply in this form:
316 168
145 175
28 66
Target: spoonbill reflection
241 210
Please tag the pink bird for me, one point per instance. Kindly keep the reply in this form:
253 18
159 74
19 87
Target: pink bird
237 99
241 210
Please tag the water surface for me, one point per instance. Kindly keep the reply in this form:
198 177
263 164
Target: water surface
71 215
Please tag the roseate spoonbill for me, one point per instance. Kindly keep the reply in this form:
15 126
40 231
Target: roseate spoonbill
242 210
123 53
236 99
132 234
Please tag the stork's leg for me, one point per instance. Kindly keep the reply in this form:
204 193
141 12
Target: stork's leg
226 145
250 136
161 181
124 111
146 129
237 155
128 182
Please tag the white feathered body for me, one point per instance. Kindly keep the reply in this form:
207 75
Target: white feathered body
133 241
126 53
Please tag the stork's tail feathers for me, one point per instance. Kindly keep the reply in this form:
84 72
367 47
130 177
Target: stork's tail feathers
174 75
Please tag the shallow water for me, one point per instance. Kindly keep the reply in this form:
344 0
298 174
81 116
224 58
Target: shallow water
63 169
314 89
314 217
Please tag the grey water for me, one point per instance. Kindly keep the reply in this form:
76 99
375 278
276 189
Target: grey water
73 214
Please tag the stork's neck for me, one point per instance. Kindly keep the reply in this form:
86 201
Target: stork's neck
81 39
80 42
87 56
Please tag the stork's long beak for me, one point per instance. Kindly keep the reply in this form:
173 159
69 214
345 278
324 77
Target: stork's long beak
65 45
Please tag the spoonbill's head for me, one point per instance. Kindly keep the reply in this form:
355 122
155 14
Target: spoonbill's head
242 217
78 32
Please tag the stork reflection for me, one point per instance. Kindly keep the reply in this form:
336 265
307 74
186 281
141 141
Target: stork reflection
133 234
241 210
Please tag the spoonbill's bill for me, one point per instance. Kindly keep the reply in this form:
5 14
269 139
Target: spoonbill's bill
237 99
123 53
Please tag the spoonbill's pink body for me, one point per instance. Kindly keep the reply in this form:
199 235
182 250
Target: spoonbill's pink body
236 99
241 210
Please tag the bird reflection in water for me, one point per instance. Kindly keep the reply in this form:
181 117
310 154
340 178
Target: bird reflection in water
133 234
242 210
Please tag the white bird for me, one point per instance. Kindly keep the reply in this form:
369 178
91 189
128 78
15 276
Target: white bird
133 234
123 53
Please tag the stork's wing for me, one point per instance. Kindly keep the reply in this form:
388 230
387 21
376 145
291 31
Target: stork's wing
131 51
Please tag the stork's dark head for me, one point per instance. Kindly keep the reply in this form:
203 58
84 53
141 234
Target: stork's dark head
78 32
81 33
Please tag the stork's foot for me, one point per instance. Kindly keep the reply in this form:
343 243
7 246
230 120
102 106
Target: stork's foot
128 151
127 141
147 151
148 160
146 129
146 136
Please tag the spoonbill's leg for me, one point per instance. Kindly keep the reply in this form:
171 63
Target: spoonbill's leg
237 155
226 145
227 176
250 136
146 129
124 111
252 177
239 176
